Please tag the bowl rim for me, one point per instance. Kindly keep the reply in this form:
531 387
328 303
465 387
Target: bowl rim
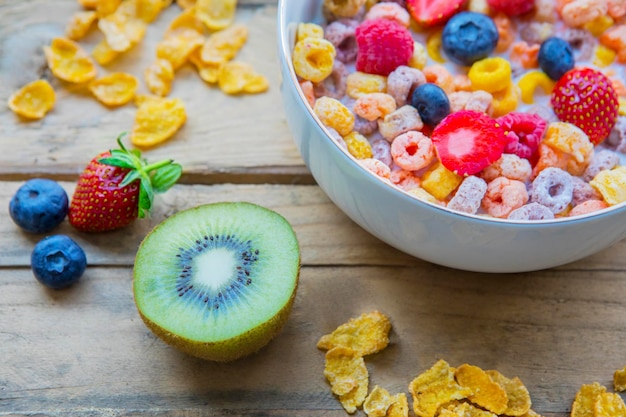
286 36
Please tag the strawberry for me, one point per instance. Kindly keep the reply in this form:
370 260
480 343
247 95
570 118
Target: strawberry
512 7
586 98
117 187
433 12
468 141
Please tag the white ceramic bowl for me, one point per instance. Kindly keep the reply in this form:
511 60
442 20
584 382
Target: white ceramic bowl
421 229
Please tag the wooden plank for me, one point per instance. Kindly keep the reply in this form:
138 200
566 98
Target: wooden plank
224 135
85 351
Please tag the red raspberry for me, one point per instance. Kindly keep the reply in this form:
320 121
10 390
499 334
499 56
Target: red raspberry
524 132
512 7
586 98
383 46
468 141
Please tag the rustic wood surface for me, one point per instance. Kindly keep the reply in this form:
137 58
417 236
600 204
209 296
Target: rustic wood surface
84 351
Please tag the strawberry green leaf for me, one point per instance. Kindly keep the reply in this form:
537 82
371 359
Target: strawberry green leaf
146 196
164 178
122 161
132 176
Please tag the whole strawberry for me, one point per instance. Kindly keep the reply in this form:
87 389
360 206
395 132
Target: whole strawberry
586 98
117 187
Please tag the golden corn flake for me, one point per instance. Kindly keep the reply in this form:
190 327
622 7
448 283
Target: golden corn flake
216 14
464 409
33 100
114 89
79 24
157 120
377 402
178 45
103 54
107 7
347 374
208 72
159 77
519 398
486 393
224 45
89 4
609 404
399 406
186 4
122 31
69 62
149 10
435 388
238 77
366 334
619 380
584 402
186 20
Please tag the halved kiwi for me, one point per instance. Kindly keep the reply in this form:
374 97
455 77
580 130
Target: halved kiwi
218 281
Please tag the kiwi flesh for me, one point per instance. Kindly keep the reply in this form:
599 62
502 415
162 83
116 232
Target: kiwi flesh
217 281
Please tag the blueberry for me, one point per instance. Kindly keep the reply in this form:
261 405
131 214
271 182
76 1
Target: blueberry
469 37
431 103
57 261
39 205
556 57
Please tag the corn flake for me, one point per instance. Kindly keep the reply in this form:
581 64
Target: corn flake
216 14
103 54
122 31
107 7
89 4
33 100
157 120
519 398
79 24
186 4
399 406
159 77
69 62
187 20
178 45
609 404
619 380
224 45
486 393
238 77
149 10
463 409
584 402
435 388
366 334
377 402
208 72
115 89
347 374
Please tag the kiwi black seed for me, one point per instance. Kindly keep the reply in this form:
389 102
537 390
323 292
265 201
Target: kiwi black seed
218 281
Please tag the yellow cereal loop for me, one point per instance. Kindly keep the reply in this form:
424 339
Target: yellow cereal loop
222 46
157 120
69 62
505 101
114 89
361 83
433 47
611 184
239 77
313 59
622 106
529 82
178 45
440 181
490 74
33 100
358 145
309 30
334 114
420 57
598 25
159 77
79 24
604 56
103 54
216 14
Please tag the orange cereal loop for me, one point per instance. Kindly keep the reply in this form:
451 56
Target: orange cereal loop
615 38
438 74
524 54
462 83
33 100
503 196
490 74
588 206
308 92
69 62
114 89
506 32
617 8
549 157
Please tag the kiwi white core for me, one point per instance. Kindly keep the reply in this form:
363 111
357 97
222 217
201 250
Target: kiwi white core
217 268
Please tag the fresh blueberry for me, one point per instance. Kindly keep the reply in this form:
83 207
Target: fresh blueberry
468 37
39 205
556 57
431 103
57 261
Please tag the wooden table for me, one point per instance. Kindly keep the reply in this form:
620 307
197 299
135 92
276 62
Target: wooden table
85 351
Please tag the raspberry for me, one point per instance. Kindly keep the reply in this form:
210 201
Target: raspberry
524 132
467 141
383 46
512 7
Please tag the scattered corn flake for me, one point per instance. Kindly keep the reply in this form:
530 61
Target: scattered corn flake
435 388
157 120
464 409
216 14
224 45
486 393
188 20
584 402
366 334
79 24
208 72
347 374
186 4
69 62
609 404
149 10
531 413
103 54
399 406
122 31
114 89
178 45
159 77
519 398
89 4
239 77
33 100
377 402
619 380
106 7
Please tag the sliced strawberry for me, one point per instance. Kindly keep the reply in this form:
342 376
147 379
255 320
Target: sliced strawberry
433 12
468 141
586 98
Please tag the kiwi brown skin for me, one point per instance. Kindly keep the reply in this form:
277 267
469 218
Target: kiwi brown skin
230 349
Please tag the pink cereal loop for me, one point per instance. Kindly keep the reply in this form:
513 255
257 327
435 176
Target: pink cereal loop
531 211
469 195
404 119
402 81
406 180
600 160
376 166
553 188
341 33
389 11
576 13
307 89
503 196
412 151
381 150
588 206
583 191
